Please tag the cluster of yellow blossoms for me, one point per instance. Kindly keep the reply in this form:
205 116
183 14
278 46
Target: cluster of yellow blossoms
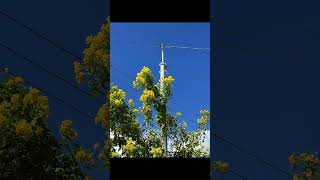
102 116
82 155
66 129
117 96
131 103
294 159
141 77
168 81
147 96
156 152
24 129
78 72
129 148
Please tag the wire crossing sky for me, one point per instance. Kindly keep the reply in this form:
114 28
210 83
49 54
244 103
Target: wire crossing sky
134 45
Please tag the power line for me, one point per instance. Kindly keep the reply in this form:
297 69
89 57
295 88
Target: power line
43 68
78 57
54 96
41 36
237 174
56 45
185 47
253 156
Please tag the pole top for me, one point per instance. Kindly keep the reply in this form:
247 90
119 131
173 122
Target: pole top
162 45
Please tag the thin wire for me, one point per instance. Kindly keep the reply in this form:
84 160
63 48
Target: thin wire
185 47
237 174
253 156
56 45
43 68
41 36
54 96
77 57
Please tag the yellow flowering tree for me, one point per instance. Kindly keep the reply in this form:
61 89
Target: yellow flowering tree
28 149
132 139
94 70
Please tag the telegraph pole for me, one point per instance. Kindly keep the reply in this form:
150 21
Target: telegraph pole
163 70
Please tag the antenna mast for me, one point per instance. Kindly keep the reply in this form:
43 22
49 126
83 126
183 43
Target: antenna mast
163 71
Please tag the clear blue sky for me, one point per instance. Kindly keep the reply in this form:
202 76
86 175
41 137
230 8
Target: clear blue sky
132 48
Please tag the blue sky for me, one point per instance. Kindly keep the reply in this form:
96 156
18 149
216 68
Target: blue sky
134 45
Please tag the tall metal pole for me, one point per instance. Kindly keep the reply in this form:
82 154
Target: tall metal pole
164 103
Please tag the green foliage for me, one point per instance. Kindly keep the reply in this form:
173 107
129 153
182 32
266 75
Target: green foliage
28 150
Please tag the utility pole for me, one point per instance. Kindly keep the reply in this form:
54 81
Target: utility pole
163 72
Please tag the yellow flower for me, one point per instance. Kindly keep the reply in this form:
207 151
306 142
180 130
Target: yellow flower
31 97
145 70
147 95
114 155
293 159
129 148
142 76
156 152
135 110
131 103
82 155
15 81
118 102
24 129
168 81
66 129
102 116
